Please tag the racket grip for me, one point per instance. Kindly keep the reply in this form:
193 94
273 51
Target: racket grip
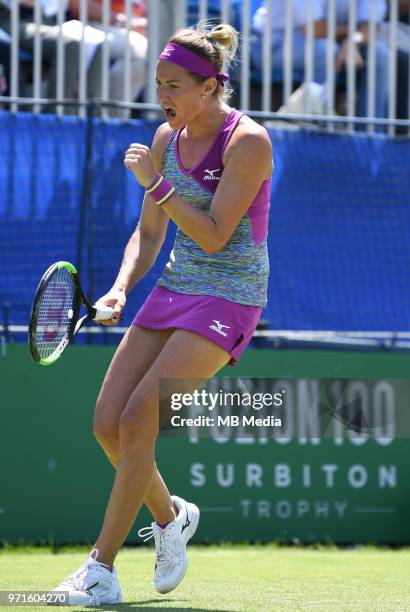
103 312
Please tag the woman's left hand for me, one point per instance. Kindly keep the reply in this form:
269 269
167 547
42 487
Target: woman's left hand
138 159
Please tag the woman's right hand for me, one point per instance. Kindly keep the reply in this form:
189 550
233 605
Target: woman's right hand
116 298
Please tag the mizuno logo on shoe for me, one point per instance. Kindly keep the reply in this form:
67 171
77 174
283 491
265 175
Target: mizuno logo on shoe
92 586
187 524
209 175
218 327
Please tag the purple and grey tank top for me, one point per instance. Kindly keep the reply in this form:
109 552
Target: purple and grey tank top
239 271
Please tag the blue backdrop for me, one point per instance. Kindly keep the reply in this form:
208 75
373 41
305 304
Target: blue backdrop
339 239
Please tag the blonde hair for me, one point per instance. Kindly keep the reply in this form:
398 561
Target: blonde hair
217 45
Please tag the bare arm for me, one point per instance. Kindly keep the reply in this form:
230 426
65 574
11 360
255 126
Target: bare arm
248 164
144 245
320 30
142 249
361 38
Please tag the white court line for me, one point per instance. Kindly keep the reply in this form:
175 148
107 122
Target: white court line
216 509
376 510
269 333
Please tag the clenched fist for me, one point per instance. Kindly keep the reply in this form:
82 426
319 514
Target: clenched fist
138 159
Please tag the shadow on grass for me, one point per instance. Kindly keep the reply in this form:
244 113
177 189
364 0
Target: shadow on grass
144 606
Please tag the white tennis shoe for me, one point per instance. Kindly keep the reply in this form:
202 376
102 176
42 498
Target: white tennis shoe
171 542
91 585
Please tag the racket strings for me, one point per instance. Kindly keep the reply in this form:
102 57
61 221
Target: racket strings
54 313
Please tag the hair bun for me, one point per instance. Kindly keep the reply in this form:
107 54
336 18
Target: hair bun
226 37
216 45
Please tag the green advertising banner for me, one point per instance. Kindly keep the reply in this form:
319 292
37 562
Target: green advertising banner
334 469
328 462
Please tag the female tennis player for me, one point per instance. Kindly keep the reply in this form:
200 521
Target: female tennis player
209 170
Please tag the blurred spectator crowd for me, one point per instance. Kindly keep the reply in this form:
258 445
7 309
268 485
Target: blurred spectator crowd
122 39
360 39
126 38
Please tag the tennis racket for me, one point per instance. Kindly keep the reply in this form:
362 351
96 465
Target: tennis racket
55 314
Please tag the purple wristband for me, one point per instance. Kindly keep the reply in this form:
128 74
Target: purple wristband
160 189
154 182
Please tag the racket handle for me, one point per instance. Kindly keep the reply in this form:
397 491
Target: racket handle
103 312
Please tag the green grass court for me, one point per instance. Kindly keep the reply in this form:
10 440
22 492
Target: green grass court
234 578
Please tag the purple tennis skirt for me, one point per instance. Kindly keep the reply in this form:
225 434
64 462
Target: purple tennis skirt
227 324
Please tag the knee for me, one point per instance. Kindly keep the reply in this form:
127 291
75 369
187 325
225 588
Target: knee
105 426
138 429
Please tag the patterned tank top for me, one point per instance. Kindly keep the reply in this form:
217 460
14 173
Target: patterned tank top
239 271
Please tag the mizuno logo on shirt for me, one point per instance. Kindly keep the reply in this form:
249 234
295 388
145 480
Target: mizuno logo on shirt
218 327
209 175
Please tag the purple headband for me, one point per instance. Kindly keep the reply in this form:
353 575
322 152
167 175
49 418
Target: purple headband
192 62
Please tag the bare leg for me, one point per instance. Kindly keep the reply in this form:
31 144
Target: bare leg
158 499
136 353
185 354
